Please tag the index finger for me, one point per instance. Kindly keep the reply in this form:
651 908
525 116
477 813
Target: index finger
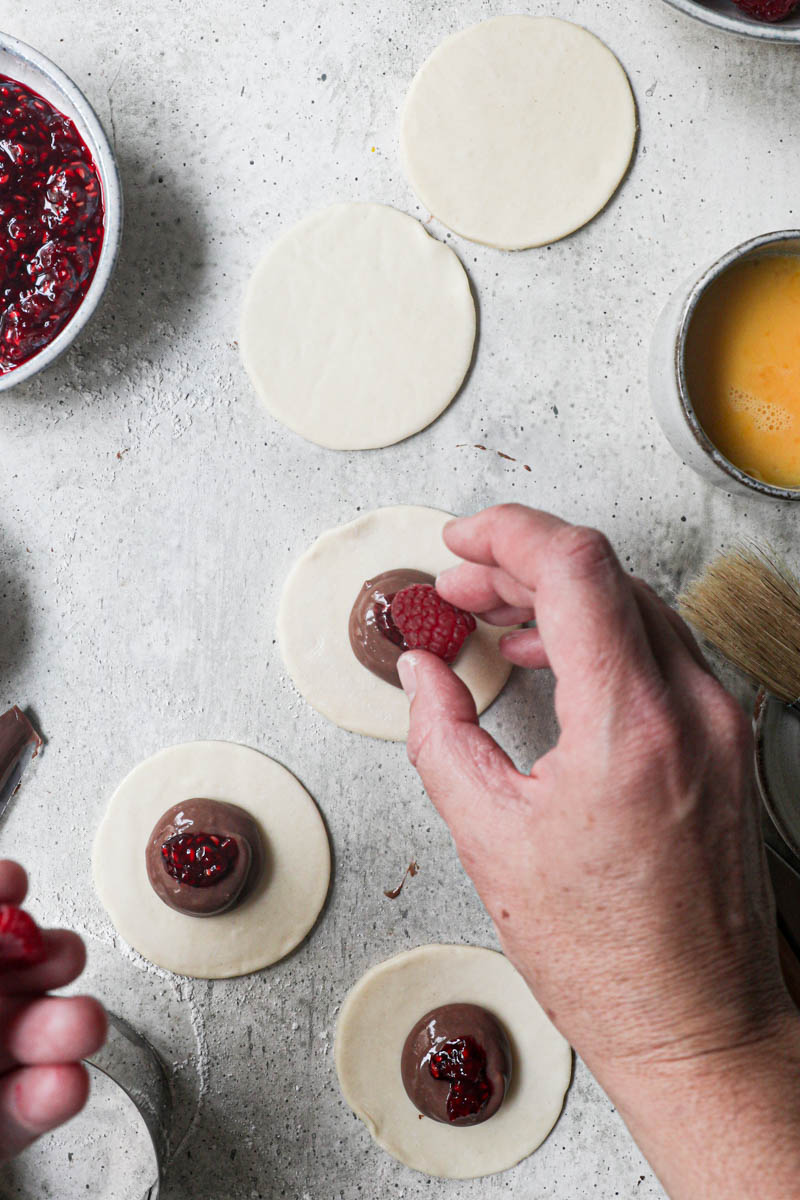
586 611
13 882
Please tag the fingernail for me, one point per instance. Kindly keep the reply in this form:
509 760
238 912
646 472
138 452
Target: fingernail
508 639
406 669
444 574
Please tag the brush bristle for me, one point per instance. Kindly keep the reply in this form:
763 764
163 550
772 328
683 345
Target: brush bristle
748 605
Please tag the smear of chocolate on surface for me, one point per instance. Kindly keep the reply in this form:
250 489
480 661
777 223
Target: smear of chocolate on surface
411 870
499 453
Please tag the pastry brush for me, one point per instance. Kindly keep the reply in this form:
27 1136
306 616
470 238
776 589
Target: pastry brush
747 604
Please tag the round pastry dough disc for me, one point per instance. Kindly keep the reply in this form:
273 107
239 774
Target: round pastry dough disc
281 909
518 131
374 1023
315 610
358 327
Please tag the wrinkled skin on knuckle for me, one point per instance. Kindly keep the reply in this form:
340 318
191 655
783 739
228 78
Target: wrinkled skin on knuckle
646 761
727 731
582 552
484 767
730 725
462 760
502 511
663 735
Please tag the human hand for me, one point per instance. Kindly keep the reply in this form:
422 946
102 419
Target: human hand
42 1037
625 875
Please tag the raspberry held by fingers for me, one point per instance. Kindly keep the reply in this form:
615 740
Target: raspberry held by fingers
21 941
427 622
65 959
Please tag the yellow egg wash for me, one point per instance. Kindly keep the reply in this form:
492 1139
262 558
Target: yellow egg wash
743 367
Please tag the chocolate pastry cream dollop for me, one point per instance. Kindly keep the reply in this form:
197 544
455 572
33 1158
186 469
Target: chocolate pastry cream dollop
204 856
377 642
401 610
456 1064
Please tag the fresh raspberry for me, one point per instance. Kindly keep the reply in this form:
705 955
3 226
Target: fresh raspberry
427 622
21 941
767 10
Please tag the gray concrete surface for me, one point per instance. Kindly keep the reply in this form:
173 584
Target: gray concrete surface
149 508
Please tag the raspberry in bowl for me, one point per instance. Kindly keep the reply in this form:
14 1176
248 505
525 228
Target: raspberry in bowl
60 211
768 20
767 10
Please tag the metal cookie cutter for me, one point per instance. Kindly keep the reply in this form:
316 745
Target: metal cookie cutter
130 1062
116 1149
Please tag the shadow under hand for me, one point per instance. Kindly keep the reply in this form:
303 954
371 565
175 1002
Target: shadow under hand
15 625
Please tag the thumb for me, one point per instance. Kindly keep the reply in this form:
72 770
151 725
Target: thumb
463 769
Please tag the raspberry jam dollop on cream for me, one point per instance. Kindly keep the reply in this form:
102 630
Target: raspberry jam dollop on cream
401 610
463 1064
199 859
51 222
204 857
456 1064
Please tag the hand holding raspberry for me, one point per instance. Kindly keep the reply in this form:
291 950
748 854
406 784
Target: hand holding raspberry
625 873
42 1037
428 622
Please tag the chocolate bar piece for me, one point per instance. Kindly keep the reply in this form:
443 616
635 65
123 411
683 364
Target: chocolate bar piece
19 743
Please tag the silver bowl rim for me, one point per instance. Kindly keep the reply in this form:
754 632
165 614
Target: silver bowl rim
152 1122
763 699
712 273
763 31
108 170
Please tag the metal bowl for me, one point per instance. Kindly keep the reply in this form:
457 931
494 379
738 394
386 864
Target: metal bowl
669 387
777 737
722 14
21 62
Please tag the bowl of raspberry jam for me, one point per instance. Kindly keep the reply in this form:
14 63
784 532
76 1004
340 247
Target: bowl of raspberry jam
60 211
769 20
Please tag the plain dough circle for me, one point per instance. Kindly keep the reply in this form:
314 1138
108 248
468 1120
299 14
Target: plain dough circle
274 918
518 131
315 609
358 327
373 1025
